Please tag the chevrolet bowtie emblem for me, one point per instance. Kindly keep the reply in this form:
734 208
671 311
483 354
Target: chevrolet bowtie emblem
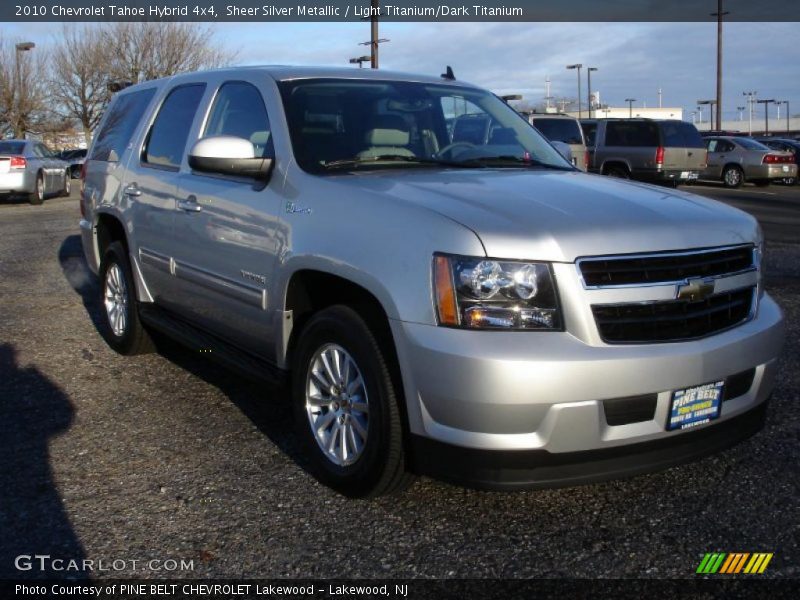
695 289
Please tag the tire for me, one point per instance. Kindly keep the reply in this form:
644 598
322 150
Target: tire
67 184
732 176
618 172
368 412
36 197
75 171
121 328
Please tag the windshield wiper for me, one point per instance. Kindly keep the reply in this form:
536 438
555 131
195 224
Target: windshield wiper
369 160
513 161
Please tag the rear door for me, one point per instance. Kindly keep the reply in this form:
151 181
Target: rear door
717 155
151 187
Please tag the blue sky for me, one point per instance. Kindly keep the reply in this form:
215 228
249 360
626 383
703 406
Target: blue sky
634 59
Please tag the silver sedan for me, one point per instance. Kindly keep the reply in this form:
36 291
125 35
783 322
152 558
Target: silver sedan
737 159
30 168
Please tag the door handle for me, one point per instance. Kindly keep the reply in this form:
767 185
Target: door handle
132 190
190 205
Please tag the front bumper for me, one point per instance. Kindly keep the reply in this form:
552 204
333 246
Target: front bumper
544 393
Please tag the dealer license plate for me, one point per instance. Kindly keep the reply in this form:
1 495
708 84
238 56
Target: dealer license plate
695 406
688 175
785 168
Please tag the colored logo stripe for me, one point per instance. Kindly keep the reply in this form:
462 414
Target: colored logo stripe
734 563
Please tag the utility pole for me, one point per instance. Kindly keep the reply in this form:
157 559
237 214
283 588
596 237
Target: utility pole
630 102
375 41
21 47
719 14
766 104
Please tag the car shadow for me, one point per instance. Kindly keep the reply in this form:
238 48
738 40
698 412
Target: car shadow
33 520
266 405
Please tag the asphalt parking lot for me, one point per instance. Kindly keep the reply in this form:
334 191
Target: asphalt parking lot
168 456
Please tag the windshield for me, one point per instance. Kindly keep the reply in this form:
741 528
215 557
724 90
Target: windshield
346 123
559 130
751 144
12 147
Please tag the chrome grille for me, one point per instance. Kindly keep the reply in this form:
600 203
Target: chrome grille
664 267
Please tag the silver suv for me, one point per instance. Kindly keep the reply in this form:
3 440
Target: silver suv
475 308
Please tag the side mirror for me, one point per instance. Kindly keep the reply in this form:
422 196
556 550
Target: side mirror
563 149
229 155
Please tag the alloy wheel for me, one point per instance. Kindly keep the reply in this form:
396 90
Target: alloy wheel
337 405
116 300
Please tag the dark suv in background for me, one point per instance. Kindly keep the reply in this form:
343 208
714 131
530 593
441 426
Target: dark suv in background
657 151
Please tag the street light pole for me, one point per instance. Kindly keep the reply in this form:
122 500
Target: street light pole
578 66
710 104
741 112
750 100
19 49
786 102
589 91
766 104
630 102
719 14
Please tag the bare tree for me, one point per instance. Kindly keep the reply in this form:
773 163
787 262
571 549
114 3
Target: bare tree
79 78
23 88
140 51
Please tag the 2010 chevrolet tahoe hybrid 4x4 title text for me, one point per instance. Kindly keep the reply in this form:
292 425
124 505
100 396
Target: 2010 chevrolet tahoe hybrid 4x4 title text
481 312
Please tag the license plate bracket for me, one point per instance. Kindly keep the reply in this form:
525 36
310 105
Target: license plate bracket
696 405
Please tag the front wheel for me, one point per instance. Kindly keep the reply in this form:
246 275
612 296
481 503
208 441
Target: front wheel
67 184
122 329
346 407
36 197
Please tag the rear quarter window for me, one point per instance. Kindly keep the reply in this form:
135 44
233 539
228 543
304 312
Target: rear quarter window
632 133
124 115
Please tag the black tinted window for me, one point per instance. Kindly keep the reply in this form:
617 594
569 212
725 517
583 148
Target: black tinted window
678 134
124 114
632 133
560 130
12 147
239 111
589 132
167 139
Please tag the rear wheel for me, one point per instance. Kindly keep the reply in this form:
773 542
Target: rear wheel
732 176
618 172
346 407
122 329
37 195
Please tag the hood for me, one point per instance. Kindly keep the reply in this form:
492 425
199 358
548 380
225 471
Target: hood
562 215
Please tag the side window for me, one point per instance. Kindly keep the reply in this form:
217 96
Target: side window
123 117
167 138
239 111
712 145
40 151
639 134
726 147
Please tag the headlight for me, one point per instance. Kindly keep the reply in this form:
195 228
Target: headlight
481 293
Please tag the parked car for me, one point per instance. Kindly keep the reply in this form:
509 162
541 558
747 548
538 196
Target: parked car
786 145
656 151
29 167
75 158
476 310
735 160
566 129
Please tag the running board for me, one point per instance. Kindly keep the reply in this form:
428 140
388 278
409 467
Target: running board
212 347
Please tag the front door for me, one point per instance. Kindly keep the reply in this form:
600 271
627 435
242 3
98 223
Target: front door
226 231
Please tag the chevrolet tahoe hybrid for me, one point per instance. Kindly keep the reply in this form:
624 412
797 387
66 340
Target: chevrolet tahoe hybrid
478 311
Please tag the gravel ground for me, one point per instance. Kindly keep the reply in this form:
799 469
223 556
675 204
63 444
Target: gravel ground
168 456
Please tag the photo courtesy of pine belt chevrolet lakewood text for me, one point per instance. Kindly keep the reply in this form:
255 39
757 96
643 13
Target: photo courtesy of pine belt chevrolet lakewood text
441 290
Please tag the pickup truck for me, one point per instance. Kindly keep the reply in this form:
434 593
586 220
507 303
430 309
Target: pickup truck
472 308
